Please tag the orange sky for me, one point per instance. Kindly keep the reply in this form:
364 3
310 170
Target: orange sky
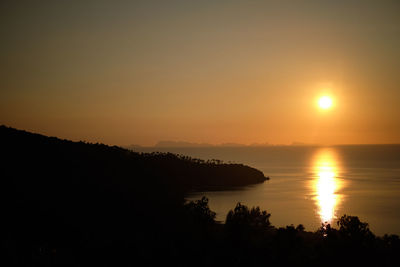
208 71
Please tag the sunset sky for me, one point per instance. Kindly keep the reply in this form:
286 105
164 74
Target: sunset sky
137 72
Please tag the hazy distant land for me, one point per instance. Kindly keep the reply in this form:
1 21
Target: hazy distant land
182 144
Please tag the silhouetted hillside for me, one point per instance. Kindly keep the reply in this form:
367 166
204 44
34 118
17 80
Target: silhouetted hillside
78 194
177 170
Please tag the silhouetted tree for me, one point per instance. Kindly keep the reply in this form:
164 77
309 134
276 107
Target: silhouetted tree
352 228
300 228
199 211
242 216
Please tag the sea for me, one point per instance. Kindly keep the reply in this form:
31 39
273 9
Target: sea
311 185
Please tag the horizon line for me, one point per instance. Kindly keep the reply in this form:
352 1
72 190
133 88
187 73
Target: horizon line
238 145
205 145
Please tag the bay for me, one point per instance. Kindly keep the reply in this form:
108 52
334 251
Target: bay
310 185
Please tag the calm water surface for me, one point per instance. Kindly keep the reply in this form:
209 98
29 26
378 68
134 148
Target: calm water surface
311 185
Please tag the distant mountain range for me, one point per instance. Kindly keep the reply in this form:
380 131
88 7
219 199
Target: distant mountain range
179 144
176 144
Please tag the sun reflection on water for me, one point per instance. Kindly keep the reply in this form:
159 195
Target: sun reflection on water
325 184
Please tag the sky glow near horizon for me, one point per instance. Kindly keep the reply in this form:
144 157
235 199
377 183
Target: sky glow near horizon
207 72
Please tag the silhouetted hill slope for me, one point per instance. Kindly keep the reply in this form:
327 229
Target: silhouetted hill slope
67 156
84 195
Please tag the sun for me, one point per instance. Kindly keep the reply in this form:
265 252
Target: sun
325 102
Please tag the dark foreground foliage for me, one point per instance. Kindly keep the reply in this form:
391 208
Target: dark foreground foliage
248 239
69 203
